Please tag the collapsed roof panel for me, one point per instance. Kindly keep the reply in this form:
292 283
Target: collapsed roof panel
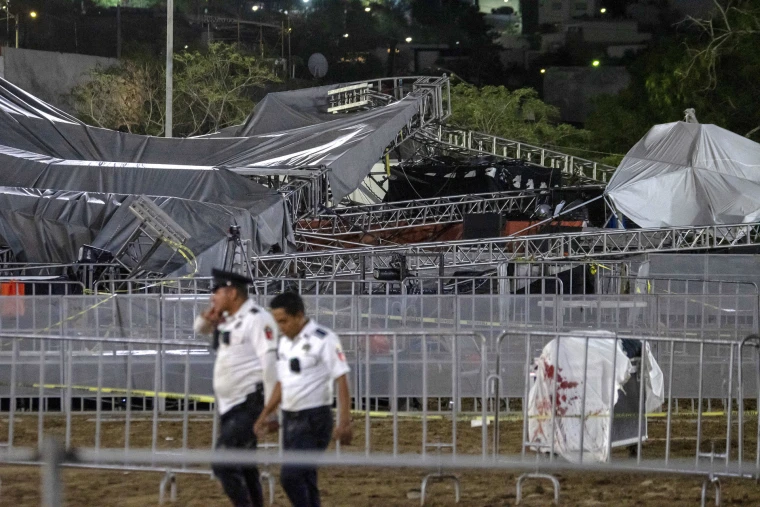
286 130
49 226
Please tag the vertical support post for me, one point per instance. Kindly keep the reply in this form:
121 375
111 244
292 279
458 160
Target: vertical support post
99 396
41 399
69 382
118 29
669 422
186 404
613 389
52 457
699 404
367 393
128 398
583 395
424 393
394 401
169 66
12 401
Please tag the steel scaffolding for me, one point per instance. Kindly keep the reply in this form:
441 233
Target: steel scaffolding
488 252
451 139
374 218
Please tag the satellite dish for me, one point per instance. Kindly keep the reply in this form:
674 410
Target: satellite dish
317 65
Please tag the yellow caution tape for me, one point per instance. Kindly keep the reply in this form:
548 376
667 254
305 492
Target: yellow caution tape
204 398
377 414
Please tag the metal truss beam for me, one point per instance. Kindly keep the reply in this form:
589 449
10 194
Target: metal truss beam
303 188
422 212
307 187
450 139
353 262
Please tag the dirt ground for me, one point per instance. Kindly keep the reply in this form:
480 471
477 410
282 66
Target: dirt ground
20 485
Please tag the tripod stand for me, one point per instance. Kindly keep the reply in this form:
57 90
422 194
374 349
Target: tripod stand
235 256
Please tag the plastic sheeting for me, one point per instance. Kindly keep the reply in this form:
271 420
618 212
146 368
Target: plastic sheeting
64 184
286 130
569 393
50 226
295 130
683 174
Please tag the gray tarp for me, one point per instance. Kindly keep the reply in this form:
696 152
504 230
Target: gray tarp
49 226
286 130
683 174
64 184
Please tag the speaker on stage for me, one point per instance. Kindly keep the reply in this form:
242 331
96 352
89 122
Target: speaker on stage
482 225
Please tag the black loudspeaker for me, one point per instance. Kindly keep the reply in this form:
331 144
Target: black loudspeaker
482 225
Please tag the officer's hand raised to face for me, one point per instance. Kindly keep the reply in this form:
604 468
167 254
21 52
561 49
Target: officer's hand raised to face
213 315
343 432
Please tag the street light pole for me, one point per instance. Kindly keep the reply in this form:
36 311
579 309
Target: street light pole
118 29
169 66
8 17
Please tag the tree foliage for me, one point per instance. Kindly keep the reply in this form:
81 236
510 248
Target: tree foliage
213 89
711 65
520 115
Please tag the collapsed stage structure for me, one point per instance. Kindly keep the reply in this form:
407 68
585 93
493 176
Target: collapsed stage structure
334 181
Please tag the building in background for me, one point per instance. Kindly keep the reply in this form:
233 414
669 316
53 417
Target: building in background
561 12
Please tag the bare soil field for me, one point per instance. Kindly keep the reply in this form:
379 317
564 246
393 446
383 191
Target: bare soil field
20 485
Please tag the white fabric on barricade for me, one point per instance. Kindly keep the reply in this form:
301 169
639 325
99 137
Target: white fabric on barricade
568 357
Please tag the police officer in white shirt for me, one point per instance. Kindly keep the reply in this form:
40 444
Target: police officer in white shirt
245 373
309 361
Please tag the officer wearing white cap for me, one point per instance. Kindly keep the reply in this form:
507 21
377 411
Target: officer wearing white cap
309 362
245 373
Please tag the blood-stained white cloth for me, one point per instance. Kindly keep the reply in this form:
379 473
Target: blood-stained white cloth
568 357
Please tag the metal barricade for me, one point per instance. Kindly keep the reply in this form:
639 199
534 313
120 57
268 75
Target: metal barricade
81 387
562 420
428 381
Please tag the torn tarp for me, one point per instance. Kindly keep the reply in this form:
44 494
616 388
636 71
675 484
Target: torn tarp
47 226
286 130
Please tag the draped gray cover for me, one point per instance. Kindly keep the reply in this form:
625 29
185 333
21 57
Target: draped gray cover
64 184
683 174
286 130
49 226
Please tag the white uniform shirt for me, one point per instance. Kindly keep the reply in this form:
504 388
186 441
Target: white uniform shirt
247 340
321 359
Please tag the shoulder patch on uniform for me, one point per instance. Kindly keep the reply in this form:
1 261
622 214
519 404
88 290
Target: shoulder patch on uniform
320 332
268 332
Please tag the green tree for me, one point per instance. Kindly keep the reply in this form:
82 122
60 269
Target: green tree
126 97
213 89
711 65
520 115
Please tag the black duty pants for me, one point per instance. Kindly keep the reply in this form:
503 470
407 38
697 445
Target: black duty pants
304 430
241 483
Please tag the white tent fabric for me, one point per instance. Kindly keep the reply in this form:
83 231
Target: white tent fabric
569 390
683 174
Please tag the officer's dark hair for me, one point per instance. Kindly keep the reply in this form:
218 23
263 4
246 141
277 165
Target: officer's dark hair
291 302
241 291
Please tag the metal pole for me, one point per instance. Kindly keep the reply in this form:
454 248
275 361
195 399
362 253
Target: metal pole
118 29
169 66
52 456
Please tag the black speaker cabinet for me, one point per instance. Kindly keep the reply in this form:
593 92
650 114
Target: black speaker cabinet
482 225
